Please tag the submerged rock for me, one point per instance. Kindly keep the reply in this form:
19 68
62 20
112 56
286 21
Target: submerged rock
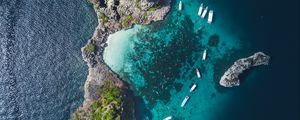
231 76
213 40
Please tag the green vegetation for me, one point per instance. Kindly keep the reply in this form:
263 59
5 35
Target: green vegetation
154 8
138 4
97 113
103 18
111 96
90 48
76 116
109 104
127 21
109 115
145 15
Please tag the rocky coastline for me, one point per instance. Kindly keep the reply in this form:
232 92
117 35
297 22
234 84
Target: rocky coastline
231 76
106 96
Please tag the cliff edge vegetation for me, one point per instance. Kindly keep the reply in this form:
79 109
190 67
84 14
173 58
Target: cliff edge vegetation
106 96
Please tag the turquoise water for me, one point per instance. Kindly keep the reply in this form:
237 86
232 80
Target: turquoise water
159 61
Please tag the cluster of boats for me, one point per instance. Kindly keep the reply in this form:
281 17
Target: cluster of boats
193 86
202 12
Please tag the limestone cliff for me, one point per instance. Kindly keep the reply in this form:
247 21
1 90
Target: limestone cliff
231 76
106 95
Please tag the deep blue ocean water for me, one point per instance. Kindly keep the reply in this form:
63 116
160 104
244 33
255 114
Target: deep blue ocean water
273 91
41 69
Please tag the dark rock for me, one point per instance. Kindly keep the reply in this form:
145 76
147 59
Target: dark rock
231 76
213 40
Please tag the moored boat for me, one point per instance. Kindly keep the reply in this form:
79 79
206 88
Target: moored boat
200 9
204 55
185 100
204 13
198 73
210 16
180 6
168 118
193 87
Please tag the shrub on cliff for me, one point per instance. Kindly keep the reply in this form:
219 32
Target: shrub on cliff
137 4
108 106
90 48
103 18
154 8
145 15
127 21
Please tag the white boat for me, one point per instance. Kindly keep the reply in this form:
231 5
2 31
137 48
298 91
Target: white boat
210 16
204 13
198 73
185 100
200 9
168 118
193 87
204 55
180 6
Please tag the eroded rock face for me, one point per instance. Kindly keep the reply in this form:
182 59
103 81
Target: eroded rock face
146 4
231 76
124 13
113 15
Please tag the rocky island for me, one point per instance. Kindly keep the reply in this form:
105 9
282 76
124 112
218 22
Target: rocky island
106 96
231 76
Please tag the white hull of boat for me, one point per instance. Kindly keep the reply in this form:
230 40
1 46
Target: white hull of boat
204 13
200 9
210 16
198 73
184 101
193 87
180 6
168 118
204 55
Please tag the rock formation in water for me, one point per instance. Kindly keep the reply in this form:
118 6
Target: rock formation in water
231 76
106 96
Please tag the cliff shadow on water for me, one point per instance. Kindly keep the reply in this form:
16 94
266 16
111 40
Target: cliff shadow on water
142 112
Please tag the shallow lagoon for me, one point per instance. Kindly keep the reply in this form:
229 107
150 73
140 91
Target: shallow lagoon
159 61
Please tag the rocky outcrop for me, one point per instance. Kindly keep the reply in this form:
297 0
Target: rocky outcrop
113 15
231 76
146 4
117 14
